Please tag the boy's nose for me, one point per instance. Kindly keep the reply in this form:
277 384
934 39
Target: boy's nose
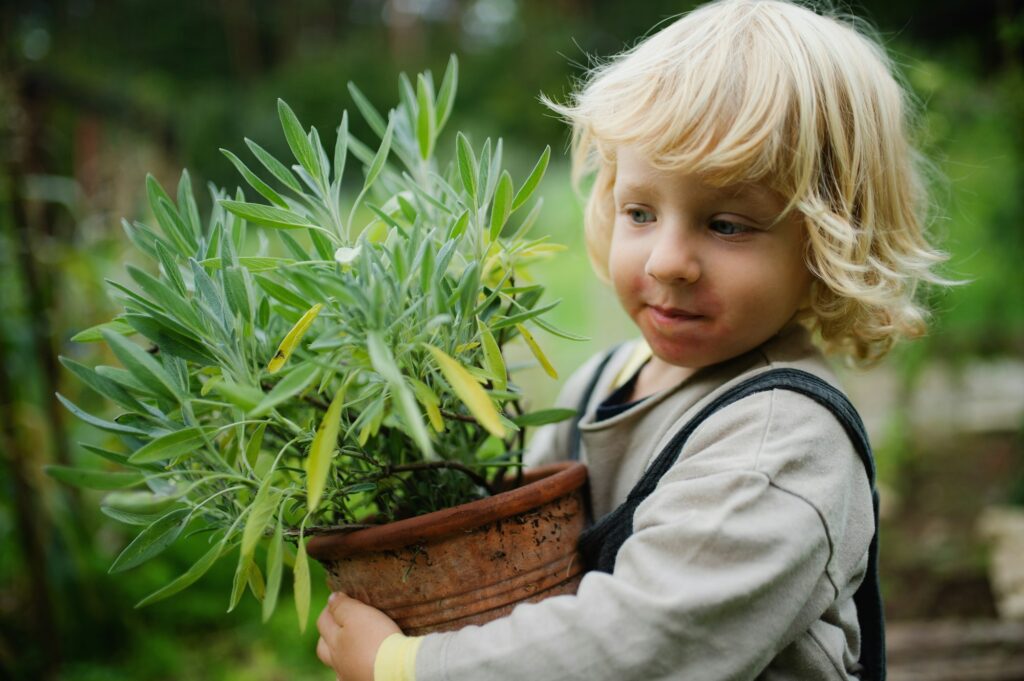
671 262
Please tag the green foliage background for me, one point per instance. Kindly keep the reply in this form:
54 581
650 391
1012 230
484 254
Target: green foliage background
93 95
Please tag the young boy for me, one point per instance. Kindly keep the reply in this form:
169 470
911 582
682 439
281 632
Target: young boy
754 186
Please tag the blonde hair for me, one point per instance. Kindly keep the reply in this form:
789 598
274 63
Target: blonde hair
810 105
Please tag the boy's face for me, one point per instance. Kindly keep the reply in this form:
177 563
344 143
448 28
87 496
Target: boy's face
696 266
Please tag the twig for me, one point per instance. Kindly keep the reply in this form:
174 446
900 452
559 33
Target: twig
458 417
452 465
328 529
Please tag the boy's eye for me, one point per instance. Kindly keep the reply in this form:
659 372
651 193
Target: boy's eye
726 228
639 215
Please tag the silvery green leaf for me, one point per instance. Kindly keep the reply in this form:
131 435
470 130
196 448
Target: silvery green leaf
293 246
189 211
504 322
407 96
374 119
425 117
170 446
528 221
323 247
152 540
297 380
209 298
236 292
526 191
425 196
483 172
301 585
173 227
115 457
253 263
236 226
275 562
275 167
171 269
340 156
146 503
214 239
322 166
501 207
446 95
381 157
282 293
467 164
128 518
166 297
143 366
141 237
171 339
198 569
555 331
261 512
254 181
363 153
104 386
495 166
543 417
295 134
126 379
401 395
269 216
91 478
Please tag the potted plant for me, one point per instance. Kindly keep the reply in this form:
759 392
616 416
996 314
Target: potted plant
349 386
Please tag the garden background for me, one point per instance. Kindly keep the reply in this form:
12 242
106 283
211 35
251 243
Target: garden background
93 95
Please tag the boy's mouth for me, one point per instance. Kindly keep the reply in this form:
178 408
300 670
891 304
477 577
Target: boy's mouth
673 312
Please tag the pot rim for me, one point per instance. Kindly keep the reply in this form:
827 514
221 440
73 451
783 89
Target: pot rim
544 484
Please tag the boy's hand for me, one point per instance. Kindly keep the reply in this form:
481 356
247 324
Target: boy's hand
350 634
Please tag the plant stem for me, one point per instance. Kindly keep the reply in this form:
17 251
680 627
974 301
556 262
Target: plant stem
432 465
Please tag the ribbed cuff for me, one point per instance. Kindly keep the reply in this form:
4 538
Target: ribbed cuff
396 658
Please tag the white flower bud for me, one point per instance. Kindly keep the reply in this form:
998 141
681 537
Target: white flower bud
346 255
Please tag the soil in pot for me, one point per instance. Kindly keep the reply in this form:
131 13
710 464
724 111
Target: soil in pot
469 564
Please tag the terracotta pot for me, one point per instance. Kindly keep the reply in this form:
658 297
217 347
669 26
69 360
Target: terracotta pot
469 564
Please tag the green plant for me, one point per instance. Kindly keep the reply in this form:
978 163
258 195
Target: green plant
360 379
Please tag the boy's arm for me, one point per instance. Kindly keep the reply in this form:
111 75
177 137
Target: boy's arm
725 568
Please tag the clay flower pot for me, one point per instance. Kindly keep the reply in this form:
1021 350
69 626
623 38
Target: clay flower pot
469 564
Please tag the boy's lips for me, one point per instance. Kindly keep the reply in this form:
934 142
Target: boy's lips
672 319
674 312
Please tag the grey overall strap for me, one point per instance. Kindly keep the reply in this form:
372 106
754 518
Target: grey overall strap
574 435
600 543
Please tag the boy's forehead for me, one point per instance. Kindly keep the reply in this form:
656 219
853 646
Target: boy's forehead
633 180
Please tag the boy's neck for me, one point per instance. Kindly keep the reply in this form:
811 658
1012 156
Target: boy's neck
656 376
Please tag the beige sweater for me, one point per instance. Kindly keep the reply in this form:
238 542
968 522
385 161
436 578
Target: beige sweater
743 562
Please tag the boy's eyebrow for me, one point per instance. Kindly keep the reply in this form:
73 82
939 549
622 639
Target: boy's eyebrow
753 192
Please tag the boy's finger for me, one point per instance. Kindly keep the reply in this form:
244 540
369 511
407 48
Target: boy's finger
339 604
323 651
325 623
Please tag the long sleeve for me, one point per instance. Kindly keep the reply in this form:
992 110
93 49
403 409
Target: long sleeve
727 565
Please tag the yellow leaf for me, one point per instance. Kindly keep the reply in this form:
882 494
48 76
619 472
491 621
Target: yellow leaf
495 362
537 352
291 340
372 425
430 402
210 384
301 583
321 452
469 391
466 346
256 583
